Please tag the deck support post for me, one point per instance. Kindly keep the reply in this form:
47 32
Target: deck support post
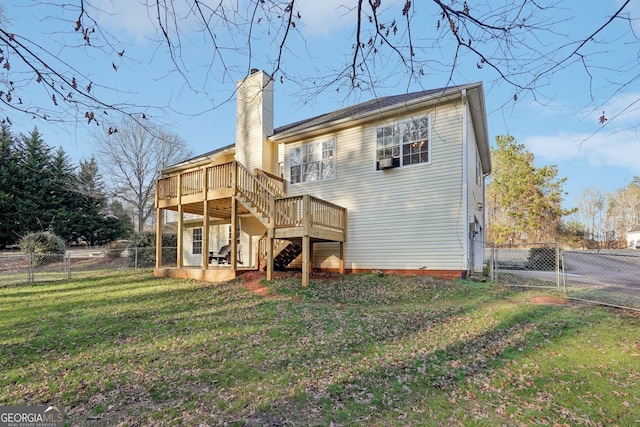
180 230
306 240
159 213
341 265
270 239
234 234
205 234
180 236
306 259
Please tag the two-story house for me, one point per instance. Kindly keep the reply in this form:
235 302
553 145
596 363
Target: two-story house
394 184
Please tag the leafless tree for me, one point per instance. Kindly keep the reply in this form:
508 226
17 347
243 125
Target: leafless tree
624 209
521 43
591 207
132 156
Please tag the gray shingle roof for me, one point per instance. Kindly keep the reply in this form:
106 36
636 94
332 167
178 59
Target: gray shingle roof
359 109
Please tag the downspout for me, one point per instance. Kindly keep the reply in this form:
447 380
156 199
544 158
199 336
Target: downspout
465 185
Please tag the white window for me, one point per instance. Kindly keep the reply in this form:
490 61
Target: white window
197 241
313 162
405 143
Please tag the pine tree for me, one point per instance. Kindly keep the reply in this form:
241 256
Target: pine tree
10 224
523 201
65 204
35 187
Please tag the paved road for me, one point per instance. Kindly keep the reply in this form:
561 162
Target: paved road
614 271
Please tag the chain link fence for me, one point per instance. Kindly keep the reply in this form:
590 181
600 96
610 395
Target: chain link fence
20 268
607 277
29 268
528 265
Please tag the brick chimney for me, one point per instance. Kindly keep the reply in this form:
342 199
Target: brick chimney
254 122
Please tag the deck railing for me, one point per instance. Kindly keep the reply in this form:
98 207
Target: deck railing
293 211
289 212
220 176
263 190
168 187
327 215
192 182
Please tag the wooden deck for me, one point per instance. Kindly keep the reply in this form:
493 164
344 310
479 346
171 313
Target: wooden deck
221 193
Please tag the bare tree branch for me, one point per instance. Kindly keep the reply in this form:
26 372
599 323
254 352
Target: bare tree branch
516 42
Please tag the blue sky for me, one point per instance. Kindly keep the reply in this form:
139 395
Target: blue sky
559 125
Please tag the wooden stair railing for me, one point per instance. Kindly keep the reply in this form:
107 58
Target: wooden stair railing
255 193
275 184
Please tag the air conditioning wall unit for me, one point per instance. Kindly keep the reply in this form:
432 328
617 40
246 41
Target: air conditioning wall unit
386 163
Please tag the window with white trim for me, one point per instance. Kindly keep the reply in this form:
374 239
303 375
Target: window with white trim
404 143
196 242
313 162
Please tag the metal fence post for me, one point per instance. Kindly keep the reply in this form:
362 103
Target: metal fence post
564 276
558 265
494 260
30 269
67 265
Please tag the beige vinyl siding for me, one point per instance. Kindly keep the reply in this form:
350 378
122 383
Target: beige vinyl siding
188 258
269 148
476 196
252 231
254 123
410 217
218 237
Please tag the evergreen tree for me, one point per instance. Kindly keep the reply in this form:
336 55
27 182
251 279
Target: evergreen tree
34 187
10 224
96 224
523 201
65 205
126 222
40 191
92 203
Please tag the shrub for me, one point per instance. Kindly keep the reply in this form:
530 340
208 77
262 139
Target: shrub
543 258
42 244
142 252
117 249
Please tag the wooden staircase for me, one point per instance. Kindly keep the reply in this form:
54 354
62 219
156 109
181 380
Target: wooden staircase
254 195
287 255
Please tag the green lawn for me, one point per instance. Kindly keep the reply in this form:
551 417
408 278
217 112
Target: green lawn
127 349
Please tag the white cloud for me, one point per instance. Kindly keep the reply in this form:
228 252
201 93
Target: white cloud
323 18
624 109
319 18
619 149
131 17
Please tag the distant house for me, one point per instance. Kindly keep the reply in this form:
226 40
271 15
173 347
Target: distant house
633 238
394 184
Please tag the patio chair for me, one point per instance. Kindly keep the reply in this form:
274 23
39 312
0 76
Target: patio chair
223 256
